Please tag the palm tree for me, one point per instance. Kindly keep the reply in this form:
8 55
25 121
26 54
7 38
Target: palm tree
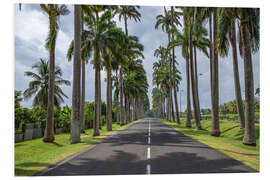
105 38
165 21
86 53
175 16
227 33
54 12
215 131
112 51
182 40
126 12
76 94
39 86
249 31
190 22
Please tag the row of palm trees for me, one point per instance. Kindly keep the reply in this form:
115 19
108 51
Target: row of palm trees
97 36
224 24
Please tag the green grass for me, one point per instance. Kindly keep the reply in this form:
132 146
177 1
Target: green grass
34 155
229 142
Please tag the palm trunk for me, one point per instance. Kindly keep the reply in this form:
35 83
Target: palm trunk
193 84
214 93
189 115
97 101
128 109
121 98
97 109
109 101
169 105
196 77
83 98
176 105
211 56
100 102
136 109
82 108
117 100
249 135
173 116
49 130
76 89
237 87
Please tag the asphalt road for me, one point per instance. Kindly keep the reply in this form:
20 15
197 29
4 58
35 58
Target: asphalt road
148 147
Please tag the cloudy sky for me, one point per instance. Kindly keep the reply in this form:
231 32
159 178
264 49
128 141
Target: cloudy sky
31 29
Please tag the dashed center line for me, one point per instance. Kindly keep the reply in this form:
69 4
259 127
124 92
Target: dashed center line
148 169
148 153
148 166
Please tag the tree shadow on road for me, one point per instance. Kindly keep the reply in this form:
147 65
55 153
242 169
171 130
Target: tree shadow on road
124 163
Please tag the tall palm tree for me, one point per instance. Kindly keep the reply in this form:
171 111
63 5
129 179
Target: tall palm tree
39 87
54 12
215 131
112 51
166 23
86 53
126 12
175 16
190 22
250 37
227 35
182 40
105 38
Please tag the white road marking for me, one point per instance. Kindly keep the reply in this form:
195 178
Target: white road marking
148 169
148 153
149 140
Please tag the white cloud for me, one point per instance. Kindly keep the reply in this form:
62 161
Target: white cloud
30 25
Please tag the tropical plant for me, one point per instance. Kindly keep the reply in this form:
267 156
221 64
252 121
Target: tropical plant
250 41
227 36
125 12
54 12
76 86
39 86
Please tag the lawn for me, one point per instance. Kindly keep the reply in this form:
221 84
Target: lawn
229 142
34 155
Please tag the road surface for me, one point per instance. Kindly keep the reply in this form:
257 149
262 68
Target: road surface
148 147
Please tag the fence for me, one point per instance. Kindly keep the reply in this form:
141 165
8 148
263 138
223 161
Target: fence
33 131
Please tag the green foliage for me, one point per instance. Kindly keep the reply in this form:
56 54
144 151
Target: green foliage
231 107
39 85
89 112
25 115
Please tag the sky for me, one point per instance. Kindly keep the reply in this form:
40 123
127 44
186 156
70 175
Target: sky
31 29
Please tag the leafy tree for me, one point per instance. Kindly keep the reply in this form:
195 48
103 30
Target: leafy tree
125 12
54 11
39 86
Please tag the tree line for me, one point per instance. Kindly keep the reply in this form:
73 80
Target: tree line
213 31
98 40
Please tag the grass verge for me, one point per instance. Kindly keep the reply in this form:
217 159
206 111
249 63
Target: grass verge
34 155
229 142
